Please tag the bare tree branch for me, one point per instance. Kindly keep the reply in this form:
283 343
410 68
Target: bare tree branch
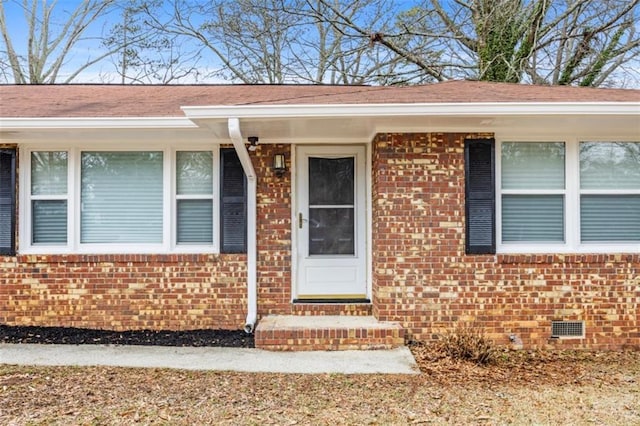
48 51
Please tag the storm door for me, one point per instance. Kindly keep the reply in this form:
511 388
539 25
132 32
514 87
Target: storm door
330 223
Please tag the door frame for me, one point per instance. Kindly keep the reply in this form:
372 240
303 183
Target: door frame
368 213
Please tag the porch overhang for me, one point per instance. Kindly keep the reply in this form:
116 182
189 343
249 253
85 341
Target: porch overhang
339 123
359 123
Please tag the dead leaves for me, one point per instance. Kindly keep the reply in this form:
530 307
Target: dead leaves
524 367
603 387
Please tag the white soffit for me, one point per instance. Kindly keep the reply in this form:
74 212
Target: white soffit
359 123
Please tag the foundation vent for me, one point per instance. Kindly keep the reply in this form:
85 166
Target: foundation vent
567 329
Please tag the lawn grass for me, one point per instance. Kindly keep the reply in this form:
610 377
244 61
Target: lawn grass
523 388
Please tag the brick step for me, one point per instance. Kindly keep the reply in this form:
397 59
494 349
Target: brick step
356 309
328 332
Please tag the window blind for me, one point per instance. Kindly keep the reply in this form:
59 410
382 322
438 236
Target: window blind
533 165
610 218
606 170
49 187
529 166
194 172
610 165
49 173
194 175
49 221
533 218
121 195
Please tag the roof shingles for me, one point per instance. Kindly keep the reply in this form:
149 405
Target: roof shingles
58 101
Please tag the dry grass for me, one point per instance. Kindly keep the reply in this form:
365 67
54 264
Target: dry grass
519 388
466 342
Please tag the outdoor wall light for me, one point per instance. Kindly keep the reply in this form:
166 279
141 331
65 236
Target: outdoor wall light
279 164
253 143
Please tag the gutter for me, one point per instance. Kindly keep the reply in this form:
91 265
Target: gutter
47 123
252 252
444 109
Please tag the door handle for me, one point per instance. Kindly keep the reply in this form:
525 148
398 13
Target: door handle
300 220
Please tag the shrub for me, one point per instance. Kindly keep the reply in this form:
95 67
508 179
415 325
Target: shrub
467 342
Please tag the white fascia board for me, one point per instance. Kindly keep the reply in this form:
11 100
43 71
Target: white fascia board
431 109
96 123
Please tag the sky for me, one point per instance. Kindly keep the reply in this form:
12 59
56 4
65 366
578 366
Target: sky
105 71
89 47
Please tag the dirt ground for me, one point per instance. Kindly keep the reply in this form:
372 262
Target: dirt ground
522 388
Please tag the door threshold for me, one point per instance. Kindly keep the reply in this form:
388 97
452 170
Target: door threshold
330 300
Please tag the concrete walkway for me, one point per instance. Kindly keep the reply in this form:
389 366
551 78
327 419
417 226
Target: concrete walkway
396 361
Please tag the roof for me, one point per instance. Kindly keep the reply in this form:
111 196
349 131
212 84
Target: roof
58 101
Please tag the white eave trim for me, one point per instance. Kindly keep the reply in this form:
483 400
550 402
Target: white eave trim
272 111
96 123
412 109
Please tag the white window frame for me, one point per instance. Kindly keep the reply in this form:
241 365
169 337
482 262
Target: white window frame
169 223
572 192
602 191
214 197
562 192
30 197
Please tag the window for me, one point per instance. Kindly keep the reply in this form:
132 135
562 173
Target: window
609 191
124 201
556 196
194 197
533 187
7 201
49 197
332 205
121 197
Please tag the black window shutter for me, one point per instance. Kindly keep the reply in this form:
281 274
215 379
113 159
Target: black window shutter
480 196
7 201
233 205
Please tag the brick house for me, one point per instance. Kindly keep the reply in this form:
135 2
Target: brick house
329 216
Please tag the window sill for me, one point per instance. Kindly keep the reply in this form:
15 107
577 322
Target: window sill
118 249
567 258
549 249
129 258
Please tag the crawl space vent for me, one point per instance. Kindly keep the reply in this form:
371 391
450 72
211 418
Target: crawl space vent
567 329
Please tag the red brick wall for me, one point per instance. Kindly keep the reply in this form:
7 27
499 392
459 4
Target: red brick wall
274 231
176 291
423 278
124 292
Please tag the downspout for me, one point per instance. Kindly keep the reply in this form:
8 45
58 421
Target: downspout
252 252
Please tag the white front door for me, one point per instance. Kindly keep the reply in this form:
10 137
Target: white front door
331 223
